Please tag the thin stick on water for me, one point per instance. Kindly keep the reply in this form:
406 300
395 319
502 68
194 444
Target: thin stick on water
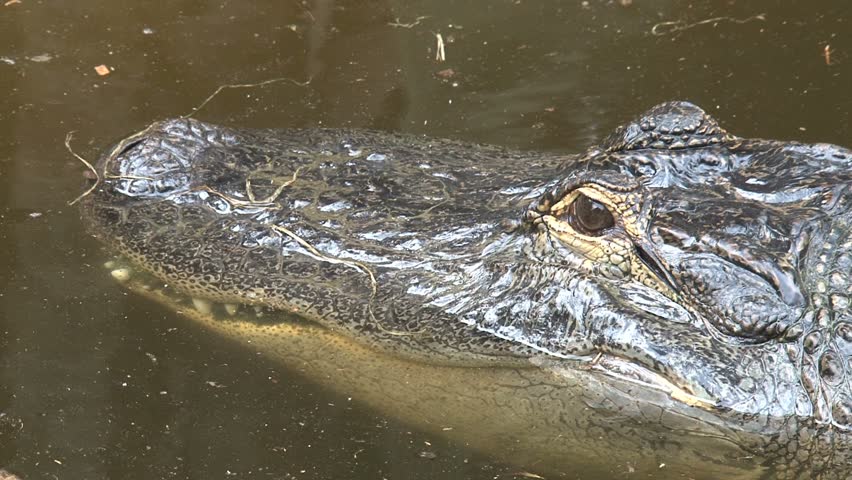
665 28
274 196
374 285
440 54
398 24
68 137
112 155
243 85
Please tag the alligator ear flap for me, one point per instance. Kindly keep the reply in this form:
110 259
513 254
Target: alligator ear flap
668 126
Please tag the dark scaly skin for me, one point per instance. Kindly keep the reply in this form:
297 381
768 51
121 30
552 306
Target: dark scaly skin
453 254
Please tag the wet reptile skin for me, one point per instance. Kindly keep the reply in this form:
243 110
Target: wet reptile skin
726 271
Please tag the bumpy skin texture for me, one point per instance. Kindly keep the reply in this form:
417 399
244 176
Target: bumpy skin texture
726 271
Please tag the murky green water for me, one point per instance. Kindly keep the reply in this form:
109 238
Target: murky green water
96 383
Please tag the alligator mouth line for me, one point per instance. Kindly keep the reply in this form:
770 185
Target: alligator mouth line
140 281
630 371
605 363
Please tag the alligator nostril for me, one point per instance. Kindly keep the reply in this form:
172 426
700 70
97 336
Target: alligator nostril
130 146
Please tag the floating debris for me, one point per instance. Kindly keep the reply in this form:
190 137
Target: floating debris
528 475
7 475
44 57
446 73
121 274
245 85
440 54
665 28
398 24
102 70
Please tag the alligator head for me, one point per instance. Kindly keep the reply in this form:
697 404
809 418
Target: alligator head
718 262
674 257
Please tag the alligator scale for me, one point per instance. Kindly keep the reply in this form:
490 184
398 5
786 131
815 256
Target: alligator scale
676 295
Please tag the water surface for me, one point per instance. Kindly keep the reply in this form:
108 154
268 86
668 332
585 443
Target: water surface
97 383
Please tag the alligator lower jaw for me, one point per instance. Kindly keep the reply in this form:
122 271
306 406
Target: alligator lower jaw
140 281
631 373
607 364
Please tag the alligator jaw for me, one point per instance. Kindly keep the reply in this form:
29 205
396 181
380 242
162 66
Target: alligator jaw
627 370
631 372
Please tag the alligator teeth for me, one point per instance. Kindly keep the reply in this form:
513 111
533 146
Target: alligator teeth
203 306
231 308
121 274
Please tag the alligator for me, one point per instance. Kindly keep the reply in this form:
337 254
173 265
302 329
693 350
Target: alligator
673 301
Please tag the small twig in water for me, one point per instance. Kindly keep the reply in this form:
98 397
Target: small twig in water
665 28
244 85
271 198
252 202
237 202
307 11
396 22
826 54
440 54
112 155
68 137
525 475
374 285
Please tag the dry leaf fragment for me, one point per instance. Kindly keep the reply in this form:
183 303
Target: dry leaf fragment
446 73
7 475
528 475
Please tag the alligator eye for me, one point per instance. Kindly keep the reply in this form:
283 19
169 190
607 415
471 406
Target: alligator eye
589 216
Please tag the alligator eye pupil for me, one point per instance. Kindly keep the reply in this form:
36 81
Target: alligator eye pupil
590 216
